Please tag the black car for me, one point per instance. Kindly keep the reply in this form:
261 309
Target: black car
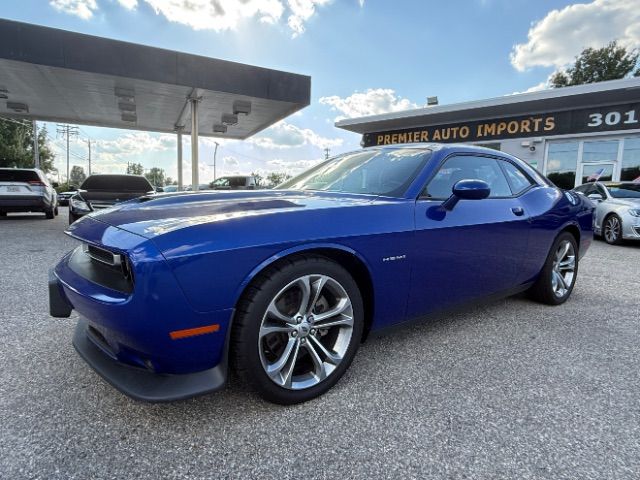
63 197
103 191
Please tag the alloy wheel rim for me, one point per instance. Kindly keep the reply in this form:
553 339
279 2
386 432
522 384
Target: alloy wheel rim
305 331
611 229
564 269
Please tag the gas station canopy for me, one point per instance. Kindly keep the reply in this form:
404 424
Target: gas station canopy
59 76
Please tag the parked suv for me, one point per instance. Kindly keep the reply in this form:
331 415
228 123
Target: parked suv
235 182
102 191
26 190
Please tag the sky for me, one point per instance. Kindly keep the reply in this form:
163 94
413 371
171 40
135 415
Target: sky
365 57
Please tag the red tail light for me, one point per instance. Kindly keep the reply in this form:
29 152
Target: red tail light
36 183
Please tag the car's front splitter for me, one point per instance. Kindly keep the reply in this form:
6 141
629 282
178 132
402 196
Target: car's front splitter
142 384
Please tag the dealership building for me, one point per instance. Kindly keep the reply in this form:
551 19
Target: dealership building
571 134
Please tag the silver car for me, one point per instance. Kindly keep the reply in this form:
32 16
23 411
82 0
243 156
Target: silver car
617 214
26 190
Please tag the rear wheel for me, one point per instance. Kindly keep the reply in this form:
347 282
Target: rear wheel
297 329
558 276
55 211
612 231
3 214
49 213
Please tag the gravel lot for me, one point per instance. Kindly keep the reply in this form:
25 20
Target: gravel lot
509 390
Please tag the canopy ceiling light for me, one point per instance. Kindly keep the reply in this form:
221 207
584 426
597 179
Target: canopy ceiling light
127 107
18 107
125 94
4 93
241 107
229 119
219 128
128 117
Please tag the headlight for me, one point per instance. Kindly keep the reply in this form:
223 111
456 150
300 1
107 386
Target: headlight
634 212
79 204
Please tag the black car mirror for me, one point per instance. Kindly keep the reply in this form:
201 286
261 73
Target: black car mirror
470 189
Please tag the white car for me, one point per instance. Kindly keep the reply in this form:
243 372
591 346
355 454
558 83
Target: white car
617 214
26 190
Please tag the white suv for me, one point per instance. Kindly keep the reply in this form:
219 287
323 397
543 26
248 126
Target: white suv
26 190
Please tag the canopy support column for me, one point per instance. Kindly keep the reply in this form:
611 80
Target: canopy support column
180 181
194 144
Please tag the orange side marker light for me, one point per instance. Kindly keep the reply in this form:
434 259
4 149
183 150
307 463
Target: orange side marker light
193 332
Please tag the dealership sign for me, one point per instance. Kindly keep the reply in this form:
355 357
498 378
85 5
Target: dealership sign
603 119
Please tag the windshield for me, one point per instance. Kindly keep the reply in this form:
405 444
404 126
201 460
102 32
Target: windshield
625 190
372 172
117 183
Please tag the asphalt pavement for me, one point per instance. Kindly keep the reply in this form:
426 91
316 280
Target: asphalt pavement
512 389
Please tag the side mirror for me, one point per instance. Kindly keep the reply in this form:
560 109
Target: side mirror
159 189
467 190
596 197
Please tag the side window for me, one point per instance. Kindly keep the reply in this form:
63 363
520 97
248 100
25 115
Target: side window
600 189
518 181
464 167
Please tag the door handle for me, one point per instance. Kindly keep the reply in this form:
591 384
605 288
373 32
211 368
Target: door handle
519 211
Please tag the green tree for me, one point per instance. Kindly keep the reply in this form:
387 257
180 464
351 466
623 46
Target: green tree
169 181
135 169
16 145
77 176
276 178
155 176
597 65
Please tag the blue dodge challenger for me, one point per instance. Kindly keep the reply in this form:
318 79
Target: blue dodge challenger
283 285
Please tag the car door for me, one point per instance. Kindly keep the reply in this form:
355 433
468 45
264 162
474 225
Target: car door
473 250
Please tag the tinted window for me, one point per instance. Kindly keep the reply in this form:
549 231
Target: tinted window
375 172
562 161
465 167
630 159
12 175
117 183
518 181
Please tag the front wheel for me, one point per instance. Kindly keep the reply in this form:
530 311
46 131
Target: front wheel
613 229
297 329
559 273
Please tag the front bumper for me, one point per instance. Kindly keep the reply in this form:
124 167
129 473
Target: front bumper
142 384
133 338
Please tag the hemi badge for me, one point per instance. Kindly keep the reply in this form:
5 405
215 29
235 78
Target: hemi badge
192 332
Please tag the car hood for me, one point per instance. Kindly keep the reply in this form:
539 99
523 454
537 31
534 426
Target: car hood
151 216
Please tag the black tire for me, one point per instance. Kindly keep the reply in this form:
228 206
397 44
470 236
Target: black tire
49 214
543 290
3 214
614 223
56 212
72 218
245 350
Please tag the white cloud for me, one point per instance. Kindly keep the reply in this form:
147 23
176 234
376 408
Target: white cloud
302 11
555 40
128 4
374 101
81 8
536 88
292 166
286 135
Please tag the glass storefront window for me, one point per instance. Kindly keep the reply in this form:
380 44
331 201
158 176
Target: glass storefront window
597 173
630 159
600 151
562 162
